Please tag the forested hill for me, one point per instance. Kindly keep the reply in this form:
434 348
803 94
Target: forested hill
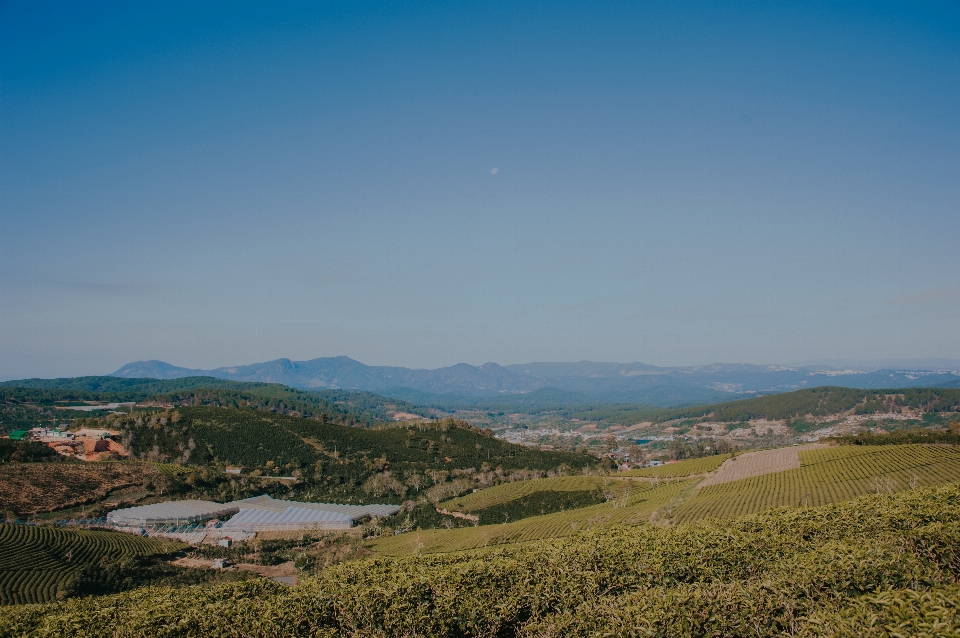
822 401
350 408
333 461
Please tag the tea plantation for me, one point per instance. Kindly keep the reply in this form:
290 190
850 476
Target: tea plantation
41 563
882 565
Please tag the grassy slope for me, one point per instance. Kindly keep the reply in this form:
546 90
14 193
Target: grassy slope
880 566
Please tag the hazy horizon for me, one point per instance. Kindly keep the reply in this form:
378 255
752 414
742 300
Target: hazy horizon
425 184
837 364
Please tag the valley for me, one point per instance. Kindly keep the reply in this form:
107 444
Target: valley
474 482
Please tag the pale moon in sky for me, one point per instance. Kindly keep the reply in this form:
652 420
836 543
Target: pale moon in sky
494 171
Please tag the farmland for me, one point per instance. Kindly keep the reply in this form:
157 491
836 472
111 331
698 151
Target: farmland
820 475
758 463
506 492
634 503
689 467
40 564
883 565
828 475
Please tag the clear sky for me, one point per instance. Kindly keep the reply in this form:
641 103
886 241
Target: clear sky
422 184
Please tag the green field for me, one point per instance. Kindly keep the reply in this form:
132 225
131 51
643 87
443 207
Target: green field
883 565
826 476
690 467
40 564
506 492
634 504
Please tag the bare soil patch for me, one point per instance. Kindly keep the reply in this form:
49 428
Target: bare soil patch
759 463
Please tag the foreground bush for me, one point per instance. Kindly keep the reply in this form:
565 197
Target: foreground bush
878 566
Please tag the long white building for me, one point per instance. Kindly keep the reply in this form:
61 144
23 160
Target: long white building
257 514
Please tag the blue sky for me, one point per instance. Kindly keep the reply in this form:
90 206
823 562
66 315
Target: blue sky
676 183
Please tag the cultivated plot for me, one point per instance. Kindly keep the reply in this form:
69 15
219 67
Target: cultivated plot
759 463
828 475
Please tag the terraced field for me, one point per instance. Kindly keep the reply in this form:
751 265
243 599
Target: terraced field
825 475
635 504
506 492
690 467
828 475
38 562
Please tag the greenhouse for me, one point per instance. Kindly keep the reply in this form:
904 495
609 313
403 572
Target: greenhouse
171 513
257 514
263 513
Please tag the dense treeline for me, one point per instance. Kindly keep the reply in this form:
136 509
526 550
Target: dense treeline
822 401
879 566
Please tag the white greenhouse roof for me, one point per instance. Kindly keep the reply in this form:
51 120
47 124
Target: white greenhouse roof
257 513
292 517
354 512
171 512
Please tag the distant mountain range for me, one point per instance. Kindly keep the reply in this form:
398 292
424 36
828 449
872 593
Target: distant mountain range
636 382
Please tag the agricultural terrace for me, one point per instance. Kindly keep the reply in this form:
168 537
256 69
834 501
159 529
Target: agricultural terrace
759 463
884 565
634 504
828 475
31 488
690 467
40 564
506 492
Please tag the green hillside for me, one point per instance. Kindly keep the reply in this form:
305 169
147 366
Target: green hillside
670 494
350 408
820 402
40 564
333 461
883 565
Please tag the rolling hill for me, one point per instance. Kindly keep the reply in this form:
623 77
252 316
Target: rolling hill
879 566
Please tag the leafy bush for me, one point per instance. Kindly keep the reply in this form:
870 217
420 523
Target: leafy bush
879 566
